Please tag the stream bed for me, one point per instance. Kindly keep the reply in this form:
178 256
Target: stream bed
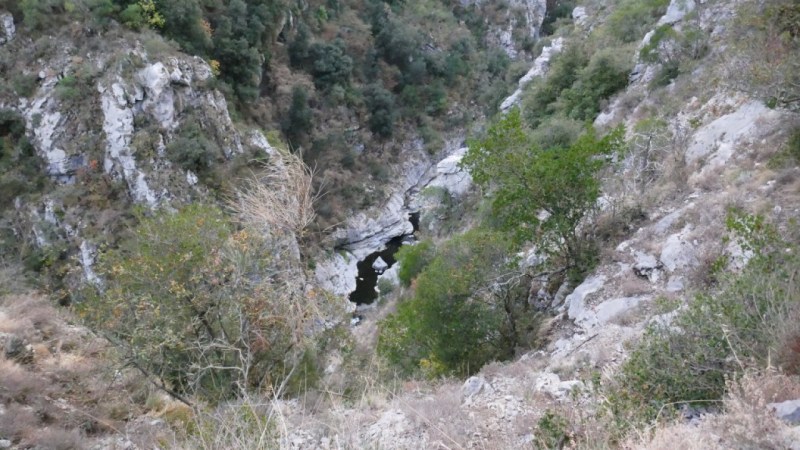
367 278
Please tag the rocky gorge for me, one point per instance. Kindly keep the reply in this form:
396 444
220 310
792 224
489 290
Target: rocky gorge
118 137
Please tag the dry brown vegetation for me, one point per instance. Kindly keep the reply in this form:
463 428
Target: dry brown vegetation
59 386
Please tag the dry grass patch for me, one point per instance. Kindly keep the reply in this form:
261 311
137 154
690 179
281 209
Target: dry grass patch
70 393
746 421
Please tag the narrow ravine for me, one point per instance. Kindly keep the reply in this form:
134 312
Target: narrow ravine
366 291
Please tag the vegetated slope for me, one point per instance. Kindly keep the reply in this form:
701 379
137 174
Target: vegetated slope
103 109
688 305
706 130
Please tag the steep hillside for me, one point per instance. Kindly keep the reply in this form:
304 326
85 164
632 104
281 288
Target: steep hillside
593 206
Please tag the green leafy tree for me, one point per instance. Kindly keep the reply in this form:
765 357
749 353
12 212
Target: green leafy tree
299 120
330 65
455 323
542 195
380 103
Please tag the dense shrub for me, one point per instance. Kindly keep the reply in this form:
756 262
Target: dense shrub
453 324
633 18
20 167
606 74
197 304
380 104
299 120
539 101
413 259
766 60
330 65
192 150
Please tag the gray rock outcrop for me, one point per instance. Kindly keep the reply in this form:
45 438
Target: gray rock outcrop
788 411
450 176
539 68
380 265
676 11
7 28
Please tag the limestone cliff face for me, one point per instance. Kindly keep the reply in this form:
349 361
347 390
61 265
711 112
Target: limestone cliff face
102 116
513 26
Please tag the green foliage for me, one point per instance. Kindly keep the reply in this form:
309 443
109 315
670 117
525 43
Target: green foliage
526 180
672 49
557 132
633 18
561 9
330 65
565 70
24 85
380 103
39 14
20 167
192 302
750 321
299 120
551 431
453 324
413 259
192 150
649 52
666 73
606 74
298 49
767 51
793 145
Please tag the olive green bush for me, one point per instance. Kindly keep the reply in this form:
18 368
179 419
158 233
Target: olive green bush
198 305
413 259
766 62
466 310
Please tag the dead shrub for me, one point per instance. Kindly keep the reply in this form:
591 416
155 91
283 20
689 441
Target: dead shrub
746 420
57 439
17 384
17 422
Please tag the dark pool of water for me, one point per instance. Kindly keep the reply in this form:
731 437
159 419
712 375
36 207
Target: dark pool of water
368 277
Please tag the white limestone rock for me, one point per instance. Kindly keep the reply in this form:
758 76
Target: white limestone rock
7 28
119 160
788 411
576 302
450 176
473 386
87 258
380 265
580 16
716 141
338 274
540 67
676 11
609 310
551 383
647 266
257 139
390 276
159 100
365 235
678 251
